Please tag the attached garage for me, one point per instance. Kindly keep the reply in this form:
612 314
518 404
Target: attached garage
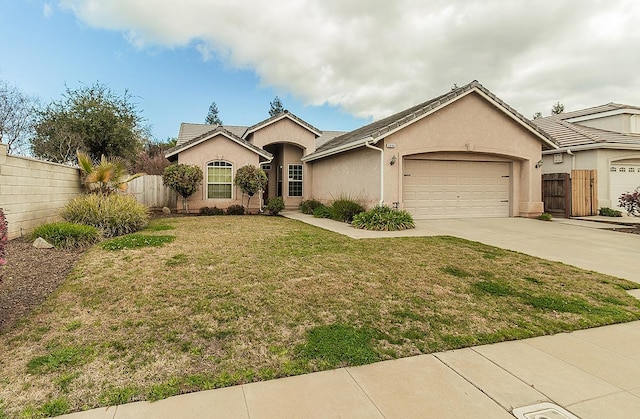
623 178
451 189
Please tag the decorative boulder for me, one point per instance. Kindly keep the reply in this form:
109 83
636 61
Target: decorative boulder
166 210
41 243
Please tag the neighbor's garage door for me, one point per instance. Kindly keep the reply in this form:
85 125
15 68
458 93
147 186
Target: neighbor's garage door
623 178
441 189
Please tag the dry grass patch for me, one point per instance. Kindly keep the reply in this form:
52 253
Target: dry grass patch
239 299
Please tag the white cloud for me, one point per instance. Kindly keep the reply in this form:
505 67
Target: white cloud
373 57
47 10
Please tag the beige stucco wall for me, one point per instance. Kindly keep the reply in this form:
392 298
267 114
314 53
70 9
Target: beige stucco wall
598 159
473 129
218 148
355 174
615 123
32 192
284 131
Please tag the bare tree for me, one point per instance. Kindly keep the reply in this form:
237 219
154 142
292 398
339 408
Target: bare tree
16 118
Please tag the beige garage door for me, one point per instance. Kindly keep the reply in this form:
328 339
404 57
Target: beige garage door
624 178
449 189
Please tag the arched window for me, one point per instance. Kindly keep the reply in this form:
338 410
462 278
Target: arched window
219 180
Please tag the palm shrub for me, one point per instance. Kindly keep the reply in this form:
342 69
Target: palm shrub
383 218
67 235
343 209
630 201
275 205
106 176
114 215
309 205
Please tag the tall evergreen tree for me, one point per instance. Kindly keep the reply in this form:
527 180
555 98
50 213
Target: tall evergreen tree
276 107
557 109
212 117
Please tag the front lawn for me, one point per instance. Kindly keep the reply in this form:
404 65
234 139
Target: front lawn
239 299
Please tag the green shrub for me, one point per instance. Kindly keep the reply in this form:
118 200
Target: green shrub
383 218
275 205
608 212
211 211
67 235
322 211
114 215
310 205
343 209
235 210
545 216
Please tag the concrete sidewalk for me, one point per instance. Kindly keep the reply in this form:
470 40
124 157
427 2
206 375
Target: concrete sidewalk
585 244
593 374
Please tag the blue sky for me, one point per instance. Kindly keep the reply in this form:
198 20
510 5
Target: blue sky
41 54
335 63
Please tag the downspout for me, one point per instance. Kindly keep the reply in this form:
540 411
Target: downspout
573 159
368 145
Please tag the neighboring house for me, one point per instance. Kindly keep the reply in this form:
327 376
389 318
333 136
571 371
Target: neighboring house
604 139
463 154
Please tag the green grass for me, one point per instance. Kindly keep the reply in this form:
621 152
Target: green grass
134 241
232 300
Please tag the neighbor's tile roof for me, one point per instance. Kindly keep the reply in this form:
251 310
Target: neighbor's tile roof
383 126
572 134
328 136
210 133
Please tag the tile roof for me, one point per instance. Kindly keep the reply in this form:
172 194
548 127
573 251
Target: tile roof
393 122
189 131
219 129
285 114
572 134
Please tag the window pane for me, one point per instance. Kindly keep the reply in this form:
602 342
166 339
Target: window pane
295 188
295 172
219 180
219 191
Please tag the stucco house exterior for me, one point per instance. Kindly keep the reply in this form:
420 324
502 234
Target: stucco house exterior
603 138
463 154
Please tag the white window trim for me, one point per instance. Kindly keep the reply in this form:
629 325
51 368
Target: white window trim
290 180
230 166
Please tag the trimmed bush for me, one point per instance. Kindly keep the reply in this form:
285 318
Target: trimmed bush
383 218
545 216
275 205
114 215
322 211
235 210
608 212
211 211
67 235
310 205
343 209
631 202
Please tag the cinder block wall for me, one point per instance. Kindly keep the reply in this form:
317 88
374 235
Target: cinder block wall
33 192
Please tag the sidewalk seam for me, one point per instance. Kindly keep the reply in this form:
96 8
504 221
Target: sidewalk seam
364 392
244 398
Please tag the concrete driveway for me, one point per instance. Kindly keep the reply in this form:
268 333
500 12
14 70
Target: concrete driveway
585 244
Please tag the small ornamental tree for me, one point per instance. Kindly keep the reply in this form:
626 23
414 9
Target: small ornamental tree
3 240
183 179
250 179
631 202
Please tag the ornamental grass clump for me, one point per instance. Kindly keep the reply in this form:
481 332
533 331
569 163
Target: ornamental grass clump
67 235
344 209
383 218
309 205
114 215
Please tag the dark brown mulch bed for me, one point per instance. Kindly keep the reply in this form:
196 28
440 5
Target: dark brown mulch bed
632 230
29 277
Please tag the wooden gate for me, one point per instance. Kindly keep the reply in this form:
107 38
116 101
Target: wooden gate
555 194
150 191
584 193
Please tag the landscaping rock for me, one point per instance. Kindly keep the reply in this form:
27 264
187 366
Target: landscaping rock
41 243
166 210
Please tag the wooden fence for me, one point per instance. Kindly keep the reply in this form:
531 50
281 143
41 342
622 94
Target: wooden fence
584 193
570 196
150 191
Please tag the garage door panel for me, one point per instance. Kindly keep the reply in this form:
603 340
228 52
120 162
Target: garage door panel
437 188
